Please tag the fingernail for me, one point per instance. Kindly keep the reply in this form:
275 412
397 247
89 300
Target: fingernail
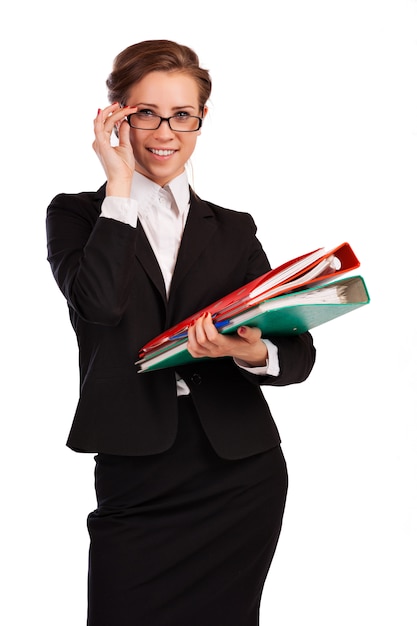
98 111
242 329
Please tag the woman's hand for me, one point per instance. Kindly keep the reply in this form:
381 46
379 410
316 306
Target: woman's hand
204 340
118 161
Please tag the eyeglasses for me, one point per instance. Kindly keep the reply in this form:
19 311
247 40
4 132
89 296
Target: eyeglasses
180 123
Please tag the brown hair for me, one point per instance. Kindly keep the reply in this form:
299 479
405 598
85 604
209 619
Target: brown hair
158 55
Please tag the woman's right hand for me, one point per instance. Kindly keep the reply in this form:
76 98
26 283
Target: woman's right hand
118 161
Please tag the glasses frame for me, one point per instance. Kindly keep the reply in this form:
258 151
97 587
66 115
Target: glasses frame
167 119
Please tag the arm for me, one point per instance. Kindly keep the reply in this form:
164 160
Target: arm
92 259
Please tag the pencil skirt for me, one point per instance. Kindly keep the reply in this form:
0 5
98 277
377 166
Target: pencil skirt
183 538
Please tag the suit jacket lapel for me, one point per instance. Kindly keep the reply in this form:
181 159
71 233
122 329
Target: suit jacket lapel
198 232
147 259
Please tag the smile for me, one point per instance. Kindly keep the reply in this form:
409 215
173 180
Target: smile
161 152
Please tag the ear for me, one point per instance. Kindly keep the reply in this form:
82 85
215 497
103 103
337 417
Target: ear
203 115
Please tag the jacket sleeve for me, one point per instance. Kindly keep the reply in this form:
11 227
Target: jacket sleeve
91 258
296 355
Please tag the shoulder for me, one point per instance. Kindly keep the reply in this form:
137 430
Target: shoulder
84 202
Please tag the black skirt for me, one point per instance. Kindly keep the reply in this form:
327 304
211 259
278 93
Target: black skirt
183 538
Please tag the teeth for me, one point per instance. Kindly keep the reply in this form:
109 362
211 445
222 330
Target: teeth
162 152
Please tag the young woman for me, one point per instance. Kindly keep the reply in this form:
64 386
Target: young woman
190 477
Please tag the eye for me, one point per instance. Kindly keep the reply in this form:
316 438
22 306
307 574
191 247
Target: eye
145 114
182 116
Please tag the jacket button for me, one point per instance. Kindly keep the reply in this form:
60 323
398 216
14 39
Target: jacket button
196 379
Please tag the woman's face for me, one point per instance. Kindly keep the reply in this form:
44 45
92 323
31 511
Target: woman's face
161 154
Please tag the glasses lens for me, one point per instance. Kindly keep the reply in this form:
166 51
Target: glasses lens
184 123
145 121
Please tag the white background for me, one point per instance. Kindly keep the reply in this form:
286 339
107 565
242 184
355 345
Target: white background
312 129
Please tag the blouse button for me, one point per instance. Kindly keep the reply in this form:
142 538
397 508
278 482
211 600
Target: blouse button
196 379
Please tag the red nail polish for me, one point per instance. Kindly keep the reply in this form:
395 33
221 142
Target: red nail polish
99 111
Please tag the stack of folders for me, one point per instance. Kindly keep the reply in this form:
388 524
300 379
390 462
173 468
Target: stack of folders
288 300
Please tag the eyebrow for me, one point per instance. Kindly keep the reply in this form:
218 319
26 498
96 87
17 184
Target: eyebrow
155 106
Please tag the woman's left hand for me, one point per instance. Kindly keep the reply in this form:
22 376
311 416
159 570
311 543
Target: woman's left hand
204 340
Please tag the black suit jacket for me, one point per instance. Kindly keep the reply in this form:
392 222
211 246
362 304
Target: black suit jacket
115 291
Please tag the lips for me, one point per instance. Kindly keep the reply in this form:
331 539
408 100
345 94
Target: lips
161 152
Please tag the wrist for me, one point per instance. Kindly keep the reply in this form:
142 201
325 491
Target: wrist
119 188
257 356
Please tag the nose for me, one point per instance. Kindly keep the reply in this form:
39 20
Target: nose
164 130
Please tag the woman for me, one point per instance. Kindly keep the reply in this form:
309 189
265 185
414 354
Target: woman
190 477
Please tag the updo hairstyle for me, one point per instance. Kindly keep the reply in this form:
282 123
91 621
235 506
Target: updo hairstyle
159 55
